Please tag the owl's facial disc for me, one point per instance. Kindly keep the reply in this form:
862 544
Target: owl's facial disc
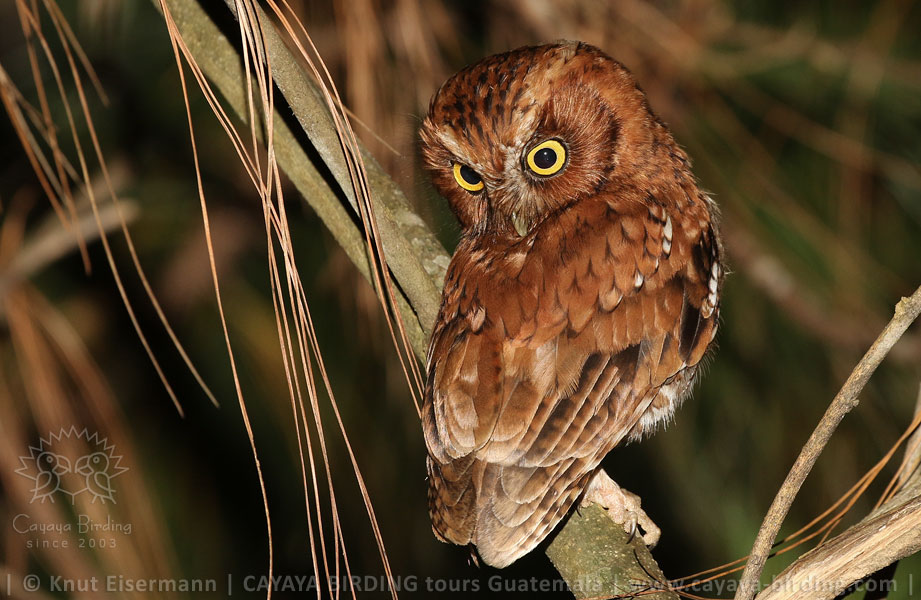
519 136
540 161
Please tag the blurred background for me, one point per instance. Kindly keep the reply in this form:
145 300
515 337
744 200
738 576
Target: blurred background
803 120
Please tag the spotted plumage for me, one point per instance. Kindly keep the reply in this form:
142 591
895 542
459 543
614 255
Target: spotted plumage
580 300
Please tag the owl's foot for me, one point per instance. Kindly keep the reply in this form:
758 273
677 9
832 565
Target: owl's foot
622 506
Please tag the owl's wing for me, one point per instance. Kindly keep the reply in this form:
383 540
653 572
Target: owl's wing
546 357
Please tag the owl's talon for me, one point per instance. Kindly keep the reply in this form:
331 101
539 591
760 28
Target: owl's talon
631 527
622 506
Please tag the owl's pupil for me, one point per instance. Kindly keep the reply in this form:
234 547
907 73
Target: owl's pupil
545 158
469 175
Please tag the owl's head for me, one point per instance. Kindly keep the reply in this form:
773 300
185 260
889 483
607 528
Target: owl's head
519 135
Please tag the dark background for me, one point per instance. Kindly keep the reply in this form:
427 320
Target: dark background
804 121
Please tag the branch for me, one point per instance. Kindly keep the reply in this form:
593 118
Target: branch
598 559
906 311
415 257
886 535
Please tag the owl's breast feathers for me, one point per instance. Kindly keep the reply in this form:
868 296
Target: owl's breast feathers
551 349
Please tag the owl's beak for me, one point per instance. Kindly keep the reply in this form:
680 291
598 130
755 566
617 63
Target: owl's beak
521 225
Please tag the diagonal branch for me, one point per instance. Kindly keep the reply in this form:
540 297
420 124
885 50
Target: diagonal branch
889 533
906 311
415 257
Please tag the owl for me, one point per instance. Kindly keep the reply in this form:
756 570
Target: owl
580 300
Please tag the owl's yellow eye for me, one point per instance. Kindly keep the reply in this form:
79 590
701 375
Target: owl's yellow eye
547 158
467 178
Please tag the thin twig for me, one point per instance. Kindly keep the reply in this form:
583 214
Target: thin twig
912 459
906 311
881 539
889 533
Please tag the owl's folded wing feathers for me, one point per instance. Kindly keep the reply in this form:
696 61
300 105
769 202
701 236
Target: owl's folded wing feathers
550 352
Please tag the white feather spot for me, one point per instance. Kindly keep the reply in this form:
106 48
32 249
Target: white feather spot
516 259
610 300
667 232
662 409
638 280
476 317
706 309
713 287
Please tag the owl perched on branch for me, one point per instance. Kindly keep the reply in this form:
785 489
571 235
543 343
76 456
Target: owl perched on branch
579 303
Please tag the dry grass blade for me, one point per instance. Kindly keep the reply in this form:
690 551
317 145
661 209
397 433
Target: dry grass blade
54 385
31 26
273 229
180 52
57 176
912 459
381 273
361 189
13 104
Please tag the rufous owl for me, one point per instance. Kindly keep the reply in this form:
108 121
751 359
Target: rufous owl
580 300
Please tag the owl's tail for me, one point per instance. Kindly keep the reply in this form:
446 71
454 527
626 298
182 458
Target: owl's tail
516 509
